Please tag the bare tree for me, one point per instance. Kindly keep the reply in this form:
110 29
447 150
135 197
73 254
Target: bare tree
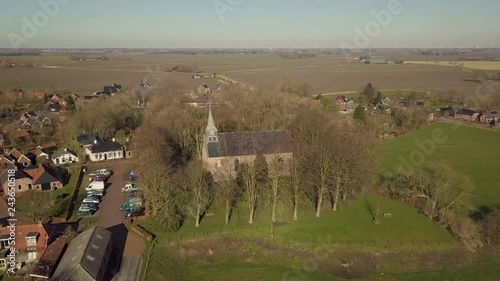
197 190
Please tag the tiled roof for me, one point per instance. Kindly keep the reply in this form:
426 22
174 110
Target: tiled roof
43 233
250 143
42 175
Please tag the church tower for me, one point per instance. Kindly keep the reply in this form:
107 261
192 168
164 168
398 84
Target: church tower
211 130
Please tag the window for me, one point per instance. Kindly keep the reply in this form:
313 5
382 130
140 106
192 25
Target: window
32 255
30 187
31 241
2 264
19 187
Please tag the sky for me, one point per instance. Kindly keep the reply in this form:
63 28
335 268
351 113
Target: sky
249 23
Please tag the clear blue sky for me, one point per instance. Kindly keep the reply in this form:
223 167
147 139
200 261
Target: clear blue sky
251 23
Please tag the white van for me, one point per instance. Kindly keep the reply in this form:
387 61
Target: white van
95 185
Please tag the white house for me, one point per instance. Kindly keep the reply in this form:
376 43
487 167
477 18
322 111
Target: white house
64 156
105 150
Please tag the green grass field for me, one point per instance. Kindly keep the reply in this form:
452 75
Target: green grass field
473 152
351 228
351 225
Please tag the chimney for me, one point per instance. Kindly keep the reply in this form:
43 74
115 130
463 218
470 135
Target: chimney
65 149
95 141
113 139
40 222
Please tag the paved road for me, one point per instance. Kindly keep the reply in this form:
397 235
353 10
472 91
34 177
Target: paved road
128 245
129 270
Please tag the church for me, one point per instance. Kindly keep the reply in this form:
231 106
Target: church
223 152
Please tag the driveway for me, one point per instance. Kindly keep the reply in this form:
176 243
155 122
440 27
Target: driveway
129 270
129 247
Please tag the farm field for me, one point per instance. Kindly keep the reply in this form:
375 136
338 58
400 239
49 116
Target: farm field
480 65
470 151
325 73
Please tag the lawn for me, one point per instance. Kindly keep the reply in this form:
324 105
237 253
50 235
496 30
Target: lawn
350 226
470 151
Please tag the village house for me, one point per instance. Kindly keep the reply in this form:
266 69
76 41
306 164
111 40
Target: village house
203 89
19 158
37 178
447 111
86 257
30 242
87 140
46 265
466 114
111 90
64 156
105 150
489 116
31 119
223 153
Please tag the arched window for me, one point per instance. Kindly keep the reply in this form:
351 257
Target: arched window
236 164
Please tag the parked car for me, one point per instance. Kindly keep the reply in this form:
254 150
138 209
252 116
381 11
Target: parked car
103 178
131 204
101 172
85 207
95 185
133 213
130 187
135 194
84 213
91 200
95 193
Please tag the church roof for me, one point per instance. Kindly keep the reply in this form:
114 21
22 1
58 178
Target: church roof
211 123
250 143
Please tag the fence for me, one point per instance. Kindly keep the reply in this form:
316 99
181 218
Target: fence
74 195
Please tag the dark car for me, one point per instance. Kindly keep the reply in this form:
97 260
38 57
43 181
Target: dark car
135 194
100 178
133 213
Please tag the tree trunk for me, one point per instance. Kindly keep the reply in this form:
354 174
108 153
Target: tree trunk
275 200
228 210
320 201
252 210
336 195
198 216
295 207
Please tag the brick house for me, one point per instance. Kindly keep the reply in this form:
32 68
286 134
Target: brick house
30 242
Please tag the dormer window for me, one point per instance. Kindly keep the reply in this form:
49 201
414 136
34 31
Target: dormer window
31 238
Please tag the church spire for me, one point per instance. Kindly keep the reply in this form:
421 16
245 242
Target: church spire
211 130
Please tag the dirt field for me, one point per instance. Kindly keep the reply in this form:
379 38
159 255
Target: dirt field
480 65
325 73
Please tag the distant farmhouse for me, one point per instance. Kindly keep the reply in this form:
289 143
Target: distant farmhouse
375 61
223 153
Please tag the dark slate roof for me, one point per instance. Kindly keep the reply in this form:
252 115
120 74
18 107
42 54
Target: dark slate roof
250 143
105 146
84 256
87 139
465 111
